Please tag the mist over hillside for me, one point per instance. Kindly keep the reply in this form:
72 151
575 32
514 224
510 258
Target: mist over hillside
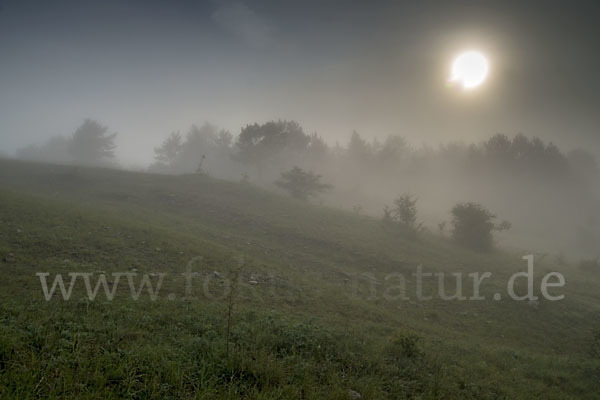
549 195
332 199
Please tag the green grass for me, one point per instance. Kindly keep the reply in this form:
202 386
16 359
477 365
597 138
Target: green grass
301 332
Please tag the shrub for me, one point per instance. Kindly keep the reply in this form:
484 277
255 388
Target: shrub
302 184
472 226
403 213
405 210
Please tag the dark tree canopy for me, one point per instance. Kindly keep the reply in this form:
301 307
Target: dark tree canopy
302 184
521 154
472 226
257 142
90 144
203 145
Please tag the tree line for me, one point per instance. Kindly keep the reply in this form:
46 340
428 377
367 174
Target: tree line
261 145
557 189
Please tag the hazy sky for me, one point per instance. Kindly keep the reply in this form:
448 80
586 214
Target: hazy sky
146 68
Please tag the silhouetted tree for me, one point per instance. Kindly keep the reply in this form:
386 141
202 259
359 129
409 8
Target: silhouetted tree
224 140
170 150
405 210
199 141
358 149
302 184
257 142
523 155
392 150
499 148
317 148
521 147
472 226
91 144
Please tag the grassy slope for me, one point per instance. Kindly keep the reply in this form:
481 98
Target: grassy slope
301 332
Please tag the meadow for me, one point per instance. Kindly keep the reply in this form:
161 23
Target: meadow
289 299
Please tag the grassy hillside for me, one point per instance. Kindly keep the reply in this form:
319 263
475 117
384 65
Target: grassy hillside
301 320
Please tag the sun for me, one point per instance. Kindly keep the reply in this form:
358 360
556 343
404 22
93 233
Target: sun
469 69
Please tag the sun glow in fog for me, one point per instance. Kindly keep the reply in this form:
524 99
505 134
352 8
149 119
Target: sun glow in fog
469 69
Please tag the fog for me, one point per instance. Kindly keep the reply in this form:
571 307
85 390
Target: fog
550 196
315 199
146 69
